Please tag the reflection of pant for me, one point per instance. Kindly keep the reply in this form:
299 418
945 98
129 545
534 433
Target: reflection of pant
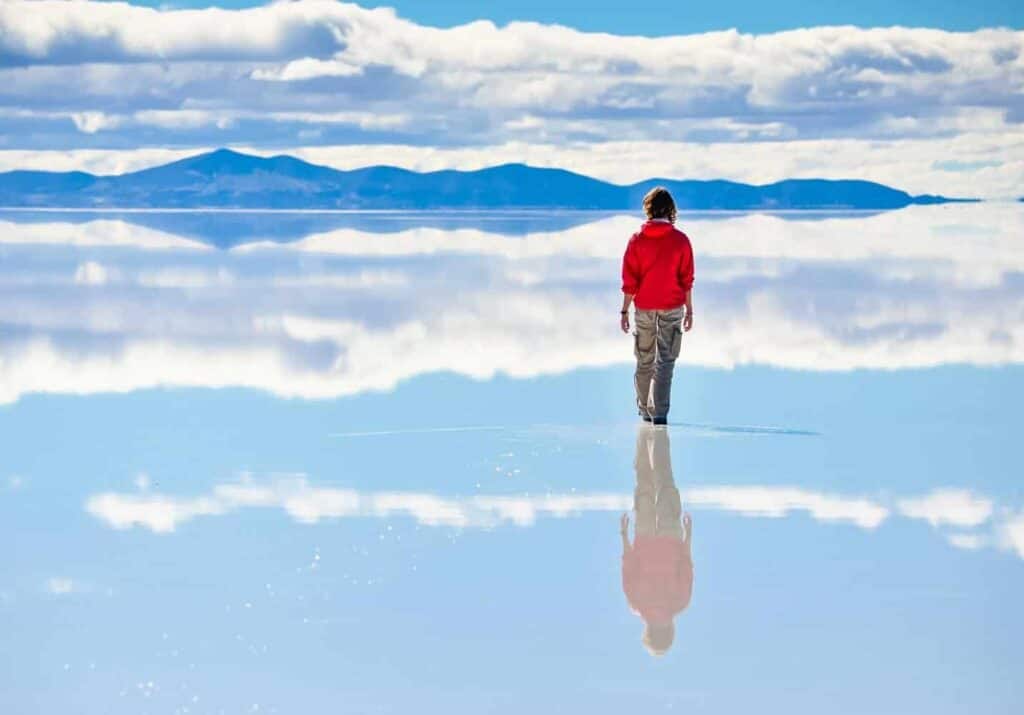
658 338
656 499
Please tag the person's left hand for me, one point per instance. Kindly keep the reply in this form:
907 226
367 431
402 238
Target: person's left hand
688 321
624 524
624 322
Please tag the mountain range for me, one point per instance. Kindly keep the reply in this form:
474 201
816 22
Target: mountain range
230 179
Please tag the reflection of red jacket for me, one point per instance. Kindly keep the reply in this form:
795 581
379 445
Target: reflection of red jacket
657 268
657 577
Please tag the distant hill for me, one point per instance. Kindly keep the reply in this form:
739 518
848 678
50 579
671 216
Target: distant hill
229 179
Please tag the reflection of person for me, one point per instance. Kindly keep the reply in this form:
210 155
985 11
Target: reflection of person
657 568
657 275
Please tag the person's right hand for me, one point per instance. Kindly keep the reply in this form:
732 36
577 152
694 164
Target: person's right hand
688 320
624 524
624 322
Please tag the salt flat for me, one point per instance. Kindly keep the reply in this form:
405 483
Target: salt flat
249 478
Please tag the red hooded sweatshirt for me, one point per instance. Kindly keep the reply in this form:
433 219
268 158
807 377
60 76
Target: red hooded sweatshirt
657 268
657 576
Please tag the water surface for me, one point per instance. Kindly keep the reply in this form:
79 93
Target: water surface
310 463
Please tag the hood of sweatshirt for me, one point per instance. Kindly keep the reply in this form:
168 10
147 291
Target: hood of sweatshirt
656 228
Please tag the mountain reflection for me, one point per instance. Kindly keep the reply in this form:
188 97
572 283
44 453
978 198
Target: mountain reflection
657 565
103 305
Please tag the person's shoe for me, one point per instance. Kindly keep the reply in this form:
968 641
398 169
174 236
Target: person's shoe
659 420
646 418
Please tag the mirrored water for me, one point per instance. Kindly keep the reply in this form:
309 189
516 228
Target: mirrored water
315 462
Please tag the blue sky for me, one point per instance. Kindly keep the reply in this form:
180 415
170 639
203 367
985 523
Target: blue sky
671 17
928 101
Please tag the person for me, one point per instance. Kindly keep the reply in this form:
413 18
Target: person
657 279
657 567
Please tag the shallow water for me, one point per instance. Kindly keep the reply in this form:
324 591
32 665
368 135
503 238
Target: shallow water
259 464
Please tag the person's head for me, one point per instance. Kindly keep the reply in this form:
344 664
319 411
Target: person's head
658 637
658 203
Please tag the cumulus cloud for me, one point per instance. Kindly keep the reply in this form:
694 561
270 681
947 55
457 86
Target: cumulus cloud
949 507
309 504
307 68
156 513
777 502
478 91
1011 534
57 32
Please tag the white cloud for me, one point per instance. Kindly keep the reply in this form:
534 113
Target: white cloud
776 502
614 106
309 504
346 281
948 507
1011 534
967 542
98 233
307 68
184 278
94 161
182 118
156 513
91 273
922 287
46 31
801 68
92 122
61 586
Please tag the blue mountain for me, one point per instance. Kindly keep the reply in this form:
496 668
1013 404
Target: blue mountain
229 179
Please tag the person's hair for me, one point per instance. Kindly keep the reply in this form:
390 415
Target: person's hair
658 203
658 637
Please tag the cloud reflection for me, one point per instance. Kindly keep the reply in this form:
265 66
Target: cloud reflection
307 503
310 504
951 507
95 307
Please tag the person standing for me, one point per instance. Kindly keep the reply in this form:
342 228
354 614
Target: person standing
657 279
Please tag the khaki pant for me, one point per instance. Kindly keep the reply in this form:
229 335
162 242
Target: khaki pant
658 337
656 498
